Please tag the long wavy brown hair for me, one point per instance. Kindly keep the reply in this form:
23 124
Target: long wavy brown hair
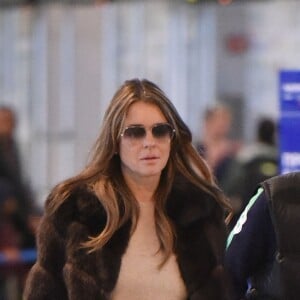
103 172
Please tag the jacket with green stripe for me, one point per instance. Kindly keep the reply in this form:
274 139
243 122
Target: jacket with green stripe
263 248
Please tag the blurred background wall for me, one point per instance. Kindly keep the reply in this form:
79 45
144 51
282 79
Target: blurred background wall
61 63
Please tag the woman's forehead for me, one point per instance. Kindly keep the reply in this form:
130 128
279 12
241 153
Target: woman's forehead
144 113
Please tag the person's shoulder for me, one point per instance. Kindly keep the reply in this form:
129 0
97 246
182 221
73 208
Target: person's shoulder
81 204
188 203
257 205
252 218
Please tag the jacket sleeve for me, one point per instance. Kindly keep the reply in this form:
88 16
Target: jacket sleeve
250 244
45 279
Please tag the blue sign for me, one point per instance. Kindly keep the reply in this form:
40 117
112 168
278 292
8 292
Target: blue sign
289 91
289 137
289 123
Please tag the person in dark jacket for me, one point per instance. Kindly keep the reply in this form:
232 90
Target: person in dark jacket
10 161
262 256
143 220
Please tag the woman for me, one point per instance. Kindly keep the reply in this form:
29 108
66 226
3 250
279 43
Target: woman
143 220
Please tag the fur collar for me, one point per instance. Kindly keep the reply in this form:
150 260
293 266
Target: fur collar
185 205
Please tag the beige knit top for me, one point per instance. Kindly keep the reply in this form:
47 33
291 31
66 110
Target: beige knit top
139 277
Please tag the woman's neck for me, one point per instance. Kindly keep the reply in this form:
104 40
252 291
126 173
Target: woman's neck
143 189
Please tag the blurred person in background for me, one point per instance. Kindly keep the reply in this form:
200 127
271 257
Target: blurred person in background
216 145
253 164
263 249
143 220
10 163
11 169
16 231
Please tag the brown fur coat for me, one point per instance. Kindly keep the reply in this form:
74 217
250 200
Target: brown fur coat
65 271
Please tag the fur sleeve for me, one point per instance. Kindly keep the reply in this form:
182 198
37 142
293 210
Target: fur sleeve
45 279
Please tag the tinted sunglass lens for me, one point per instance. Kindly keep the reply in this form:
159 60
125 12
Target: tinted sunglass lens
162 130
136 132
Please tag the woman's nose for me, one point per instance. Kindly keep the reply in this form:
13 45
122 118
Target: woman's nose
149 139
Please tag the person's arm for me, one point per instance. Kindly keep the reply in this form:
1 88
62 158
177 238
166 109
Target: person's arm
45 279
249 244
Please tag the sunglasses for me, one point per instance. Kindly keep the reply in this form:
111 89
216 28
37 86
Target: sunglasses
159 131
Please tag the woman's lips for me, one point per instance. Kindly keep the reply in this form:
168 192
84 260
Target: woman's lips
149 157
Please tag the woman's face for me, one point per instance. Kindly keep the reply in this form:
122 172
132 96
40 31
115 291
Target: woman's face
142 154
